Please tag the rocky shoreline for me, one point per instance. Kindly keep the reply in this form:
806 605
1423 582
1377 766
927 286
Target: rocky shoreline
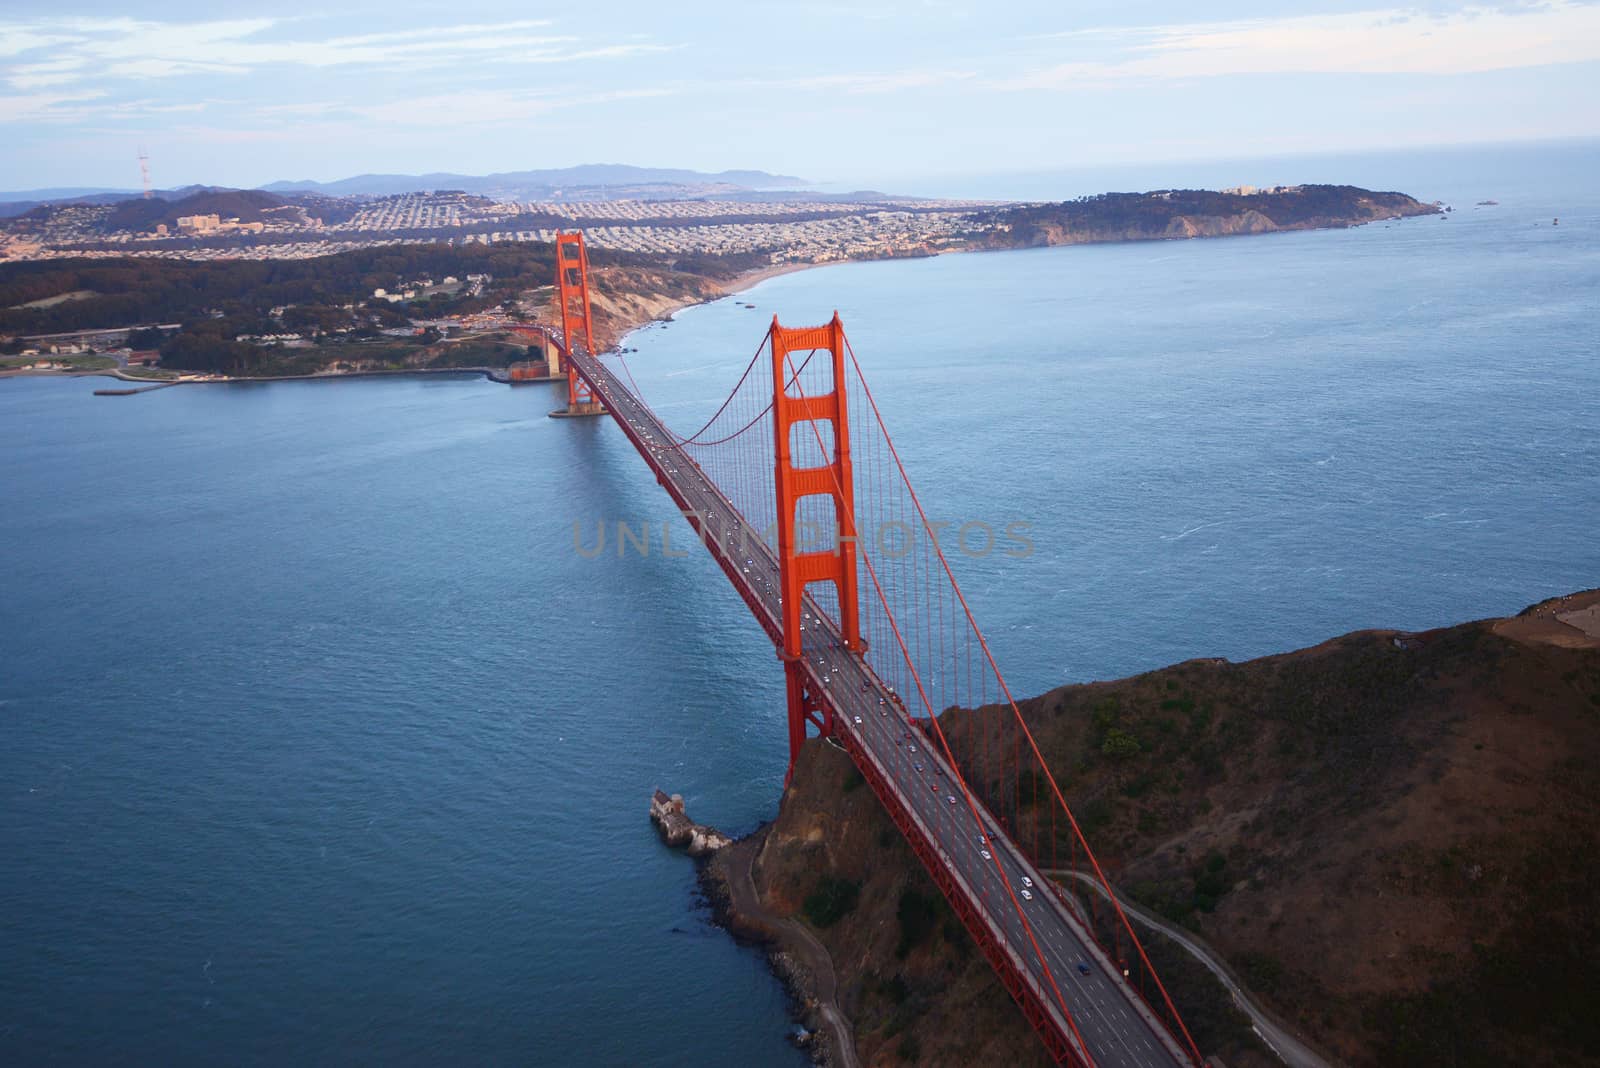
726 885
797 959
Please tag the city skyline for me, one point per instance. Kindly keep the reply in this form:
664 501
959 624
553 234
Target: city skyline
898 96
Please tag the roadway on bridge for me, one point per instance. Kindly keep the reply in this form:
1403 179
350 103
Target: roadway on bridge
1115 1025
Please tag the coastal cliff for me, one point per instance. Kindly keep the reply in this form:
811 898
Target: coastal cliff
625 298
1389 838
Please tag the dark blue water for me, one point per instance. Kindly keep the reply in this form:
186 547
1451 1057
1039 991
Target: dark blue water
318 740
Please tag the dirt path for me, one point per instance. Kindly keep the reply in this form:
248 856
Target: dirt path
745 903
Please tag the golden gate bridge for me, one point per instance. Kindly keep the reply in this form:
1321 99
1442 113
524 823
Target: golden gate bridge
796 489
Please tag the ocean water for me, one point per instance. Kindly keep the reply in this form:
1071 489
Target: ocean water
319 740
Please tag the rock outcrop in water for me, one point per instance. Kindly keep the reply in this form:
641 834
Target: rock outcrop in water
679 831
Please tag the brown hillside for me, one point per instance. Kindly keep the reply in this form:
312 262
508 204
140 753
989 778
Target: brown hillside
1392 838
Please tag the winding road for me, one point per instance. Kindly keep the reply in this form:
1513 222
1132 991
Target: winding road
1290 1050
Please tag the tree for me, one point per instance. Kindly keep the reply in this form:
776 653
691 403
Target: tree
146 337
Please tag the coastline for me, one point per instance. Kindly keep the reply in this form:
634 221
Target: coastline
747 281
750 279
629 325
737 286
494 374
796 957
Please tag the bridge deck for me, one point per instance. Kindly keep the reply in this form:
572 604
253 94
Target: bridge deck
894 754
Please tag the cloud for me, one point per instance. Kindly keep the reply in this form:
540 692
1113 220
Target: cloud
1470 41
123 48
50 72
867 82
15 40
34 106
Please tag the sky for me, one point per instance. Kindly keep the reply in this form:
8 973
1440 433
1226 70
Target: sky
871 92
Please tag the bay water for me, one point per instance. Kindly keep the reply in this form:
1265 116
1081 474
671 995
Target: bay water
320 739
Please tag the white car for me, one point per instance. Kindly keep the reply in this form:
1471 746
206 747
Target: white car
985 854
1027 882
858 721
1026 896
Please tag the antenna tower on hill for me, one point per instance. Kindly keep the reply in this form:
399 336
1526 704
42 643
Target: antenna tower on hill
144 171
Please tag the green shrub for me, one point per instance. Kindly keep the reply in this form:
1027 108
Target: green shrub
1119 744
831 901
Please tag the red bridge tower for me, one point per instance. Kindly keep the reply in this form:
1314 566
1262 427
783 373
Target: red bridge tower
791 409
577 321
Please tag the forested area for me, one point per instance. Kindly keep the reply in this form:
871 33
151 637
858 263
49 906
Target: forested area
127 292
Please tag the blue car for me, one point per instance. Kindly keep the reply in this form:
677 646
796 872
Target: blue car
1083 967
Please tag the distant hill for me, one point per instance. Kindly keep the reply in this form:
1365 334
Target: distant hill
244 204
1164 214
597 180
14 204
535 184
858 196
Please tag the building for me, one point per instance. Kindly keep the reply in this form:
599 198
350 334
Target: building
198 224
